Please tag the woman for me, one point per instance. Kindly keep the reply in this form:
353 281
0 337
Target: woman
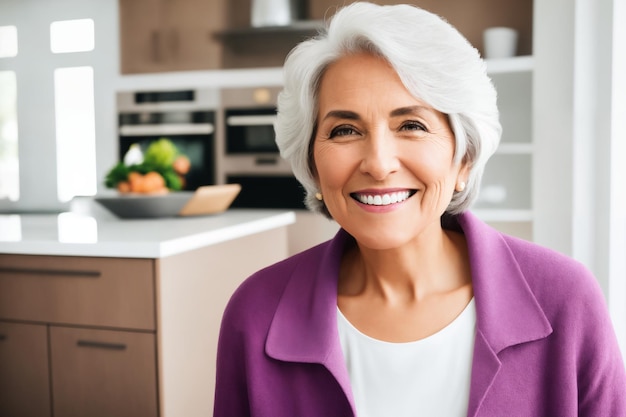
416 307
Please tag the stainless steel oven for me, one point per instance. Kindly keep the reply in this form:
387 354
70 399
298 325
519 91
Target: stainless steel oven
248 152
186 117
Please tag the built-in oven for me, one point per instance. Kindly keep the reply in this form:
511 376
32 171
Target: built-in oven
186 117
248 152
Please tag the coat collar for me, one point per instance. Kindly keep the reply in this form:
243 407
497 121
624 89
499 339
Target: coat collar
304 328
507 312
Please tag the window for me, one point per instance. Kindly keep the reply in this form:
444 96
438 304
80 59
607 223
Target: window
9 166
74 111
69 36
8 41
75 132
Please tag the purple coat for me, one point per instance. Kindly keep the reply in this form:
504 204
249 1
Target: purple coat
544 344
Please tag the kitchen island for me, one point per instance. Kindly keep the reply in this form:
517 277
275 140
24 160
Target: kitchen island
102 316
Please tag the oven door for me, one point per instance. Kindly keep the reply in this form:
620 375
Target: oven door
250 131
196 141
274 191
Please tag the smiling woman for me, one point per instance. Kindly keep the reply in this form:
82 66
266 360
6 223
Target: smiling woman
375 142
416 307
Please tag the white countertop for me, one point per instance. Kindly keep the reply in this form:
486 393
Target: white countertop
77 234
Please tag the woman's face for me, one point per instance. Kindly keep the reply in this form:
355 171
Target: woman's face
383 159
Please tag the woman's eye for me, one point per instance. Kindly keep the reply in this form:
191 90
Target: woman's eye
342 131
413 126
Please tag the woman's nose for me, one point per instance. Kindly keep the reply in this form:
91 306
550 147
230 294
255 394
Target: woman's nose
380 157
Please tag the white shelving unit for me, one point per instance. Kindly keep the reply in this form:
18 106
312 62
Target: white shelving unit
505 200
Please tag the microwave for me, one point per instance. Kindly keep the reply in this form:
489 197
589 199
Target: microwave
248 153
250 131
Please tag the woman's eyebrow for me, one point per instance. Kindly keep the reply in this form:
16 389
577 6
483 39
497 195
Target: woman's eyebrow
342 114
403 111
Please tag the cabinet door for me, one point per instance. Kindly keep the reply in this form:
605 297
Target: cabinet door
24 386
169 35
142 44
103 373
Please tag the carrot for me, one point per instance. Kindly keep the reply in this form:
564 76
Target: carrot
123 187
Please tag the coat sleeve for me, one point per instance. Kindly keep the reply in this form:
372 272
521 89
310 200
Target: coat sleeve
601 371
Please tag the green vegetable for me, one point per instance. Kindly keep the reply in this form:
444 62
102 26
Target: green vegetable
161 153
117 174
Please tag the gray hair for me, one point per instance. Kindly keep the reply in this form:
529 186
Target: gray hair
435 63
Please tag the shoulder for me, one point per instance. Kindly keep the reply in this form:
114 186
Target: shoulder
567 291
548 270
256 299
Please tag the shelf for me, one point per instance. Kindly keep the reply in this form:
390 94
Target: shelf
510 65
297 28
515 148
504 215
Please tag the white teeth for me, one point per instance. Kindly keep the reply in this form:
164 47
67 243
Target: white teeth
383 200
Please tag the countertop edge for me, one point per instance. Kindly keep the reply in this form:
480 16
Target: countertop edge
150 249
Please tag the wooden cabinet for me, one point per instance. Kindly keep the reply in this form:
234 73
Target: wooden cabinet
24 387
57 342
103 373
175 35
169 35
90 336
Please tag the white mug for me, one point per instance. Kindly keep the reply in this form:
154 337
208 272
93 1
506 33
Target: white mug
499 42
271 13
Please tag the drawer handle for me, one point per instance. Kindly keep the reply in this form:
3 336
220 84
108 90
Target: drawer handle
3 337
52 272
101 345
266 161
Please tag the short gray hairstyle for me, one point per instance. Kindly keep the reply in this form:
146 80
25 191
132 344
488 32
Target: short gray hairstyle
435 63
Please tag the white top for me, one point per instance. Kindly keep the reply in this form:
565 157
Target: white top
426 378
78 234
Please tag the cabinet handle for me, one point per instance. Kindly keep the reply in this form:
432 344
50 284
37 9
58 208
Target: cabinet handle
174 42
100 345
3 337
53 272
156 46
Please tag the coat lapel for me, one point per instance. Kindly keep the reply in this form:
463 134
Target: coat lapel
507 312
304 328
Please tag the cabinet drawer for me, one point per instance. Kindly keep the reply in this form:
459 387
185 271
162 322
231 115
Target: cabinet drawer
103 373
107 292
24 389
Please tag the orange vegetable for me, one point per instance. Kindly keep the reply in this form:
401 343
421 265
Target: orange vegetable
181 164
153 182
123 187
150 183
135 179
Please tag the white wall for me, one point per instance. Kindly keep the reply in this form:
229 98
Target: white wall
617 214
578 126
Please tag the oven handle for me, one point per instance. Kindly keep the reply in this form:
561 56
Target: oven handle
167 129
252 120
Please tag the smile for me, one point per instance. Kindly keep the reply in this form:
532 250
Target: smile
383 199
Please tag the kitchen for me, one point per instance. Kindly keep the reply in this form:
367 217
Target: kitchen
555 206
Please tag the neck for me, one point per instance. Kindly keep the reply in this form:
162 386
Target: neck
427 265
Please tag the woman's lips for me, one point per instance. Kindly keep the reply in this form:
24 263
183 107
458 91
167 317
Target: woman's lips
383 198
